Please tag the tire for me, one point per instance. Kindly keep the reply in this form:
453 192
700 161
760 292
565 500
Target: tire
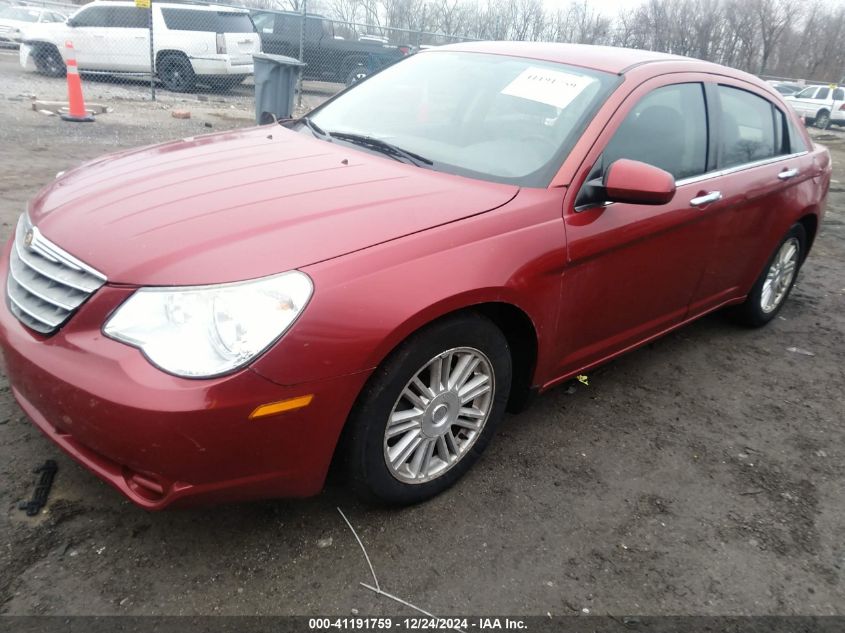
822 120
357 73
49 61
367 447
759 307
176 73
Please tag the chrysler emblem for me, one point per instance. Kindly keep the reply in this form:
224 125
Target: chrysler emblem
27 239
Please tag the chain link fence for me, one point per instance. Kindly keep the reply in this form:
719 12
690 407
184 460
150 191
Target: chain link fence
185 46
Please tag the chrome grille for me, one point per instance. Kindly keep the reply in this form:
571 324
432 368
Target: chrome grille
46 285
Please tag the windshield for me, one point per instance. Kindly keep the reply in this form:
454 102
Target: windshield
20 14
494 117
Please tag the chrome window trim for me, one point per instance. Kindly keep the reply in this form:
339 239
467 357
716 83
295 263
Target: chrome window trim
710 174
737 168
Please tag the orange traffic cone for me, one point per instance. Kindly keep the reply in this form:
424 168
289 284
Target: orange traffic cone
76 111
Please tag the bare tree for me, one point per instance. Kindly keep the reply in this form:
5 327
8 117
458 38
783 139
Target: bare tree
773 17
763 36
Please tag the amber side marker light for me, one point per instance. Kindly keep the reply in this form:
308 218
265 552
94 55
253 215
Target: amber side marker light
272 408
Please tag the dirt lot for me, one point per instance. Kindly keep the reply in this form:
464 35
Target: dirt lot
702 474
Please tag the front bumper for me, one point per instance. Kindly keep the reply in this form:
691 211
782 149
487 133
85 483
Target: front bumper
163 440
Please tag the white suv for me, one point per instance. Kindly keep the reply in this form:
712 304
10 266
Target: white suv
193 43
825 105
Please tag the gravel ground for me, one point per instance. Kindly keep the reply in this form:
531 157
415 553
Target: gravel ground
702 474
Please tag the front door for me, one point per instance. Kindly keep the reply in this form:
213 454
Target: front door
634 268
88 35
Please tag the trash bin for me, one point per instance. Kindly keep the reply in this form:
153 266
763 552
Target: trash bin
275 85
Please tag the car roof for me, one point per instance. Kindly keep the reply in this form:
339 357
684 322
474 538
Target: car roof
172 5
609 59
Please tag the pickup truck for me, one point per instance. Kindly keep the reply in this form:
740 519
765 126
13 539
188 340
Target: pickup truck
328 56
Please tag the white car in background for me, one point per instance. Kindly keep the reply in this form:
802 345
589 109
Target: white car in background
823 105
14 20
206 44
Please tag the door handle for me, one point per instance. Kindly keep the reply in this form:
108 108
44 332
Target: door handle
786 174
705 199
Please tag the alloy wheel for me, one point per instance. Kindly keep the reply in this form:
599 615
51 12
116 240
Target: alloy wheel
439 415
780 275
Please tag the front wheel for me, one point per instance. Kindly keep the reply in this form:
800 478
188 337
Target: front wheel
772 287
48 61
428 412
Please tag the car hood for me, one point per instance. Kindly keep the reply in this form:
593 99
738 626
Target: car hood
243 204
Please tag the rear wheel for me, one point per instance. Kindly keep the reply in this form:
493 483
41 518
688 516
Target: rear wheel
176 73
772 287
429 411
823 119
49 61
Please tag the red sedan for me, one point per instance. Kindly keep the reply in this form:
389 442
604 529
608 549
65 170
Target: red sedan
223 317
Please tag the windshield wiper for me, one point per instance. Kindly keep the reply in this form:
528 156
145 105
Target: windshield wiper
381 146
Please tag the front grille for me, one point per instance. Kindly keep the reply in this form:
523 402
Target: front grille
46 285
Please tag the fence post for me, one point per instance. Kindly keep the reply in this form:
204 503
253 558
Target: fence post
152 57
301 53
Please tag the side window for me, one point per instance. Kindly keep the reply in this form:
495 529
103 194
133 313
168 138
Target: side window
287 27
838 94
93 16
747 127
796 139
781 133
313 29
807 93
823 93
128 18
667 129
264 22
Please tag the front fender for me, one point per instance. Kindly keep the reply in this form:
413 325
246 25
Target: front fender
368 302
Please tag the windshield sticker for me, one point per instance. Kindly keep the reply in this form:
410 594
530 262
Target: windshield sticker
551 87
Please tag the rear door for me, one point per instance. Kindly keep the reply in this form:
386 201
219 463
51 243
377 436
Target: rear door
129 38
837 112
761 158
634 268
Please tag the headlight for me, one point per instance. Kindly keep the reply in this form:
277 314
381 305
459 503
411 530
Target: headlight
204 331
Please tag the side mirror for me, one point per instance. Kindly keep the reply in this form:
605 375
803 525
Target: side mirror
69 22
637 183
